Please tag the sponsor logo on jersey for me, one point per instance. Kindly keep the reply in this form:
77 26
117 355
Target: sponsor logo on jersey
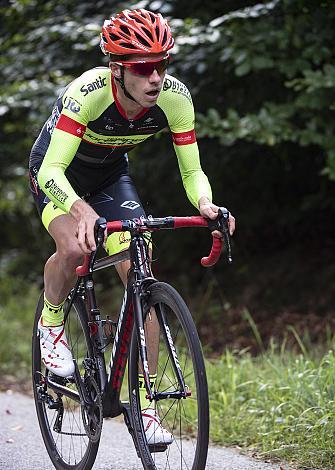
71 104
98 83
132 205
67 124
148 124
177 87
33 179
147 128
52 121
184 138
56 191
112 141
124 237
109 124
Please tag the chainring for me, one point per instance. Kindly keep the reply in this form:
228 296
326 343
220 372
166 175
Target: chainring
92 414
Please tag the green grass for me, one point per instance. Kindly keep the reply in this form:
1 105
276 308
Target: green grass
280 404
17 310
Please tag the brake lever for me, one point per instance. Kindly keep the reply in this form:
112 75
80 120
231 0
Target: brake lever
221 224
99 230
99 235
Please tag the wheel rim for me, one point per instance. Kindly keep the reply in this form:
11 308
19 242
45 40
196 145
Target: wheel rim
184 418
61 418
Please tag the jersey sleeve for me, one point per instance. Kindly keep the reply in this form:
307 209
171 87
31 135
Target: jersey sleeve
64 143
195 181
180 115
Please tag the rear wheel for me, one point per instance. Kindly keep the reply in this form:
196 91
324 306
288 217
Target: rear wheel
71 432
187 419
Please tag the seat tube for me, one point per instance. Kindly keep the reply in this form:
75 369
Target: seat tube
96 328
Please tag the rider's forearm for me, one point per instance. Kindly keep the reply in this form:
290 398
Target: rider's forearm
197 187
195 181
51 176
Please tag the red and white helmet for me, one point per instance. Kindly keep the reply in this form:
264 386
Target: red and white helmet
136 32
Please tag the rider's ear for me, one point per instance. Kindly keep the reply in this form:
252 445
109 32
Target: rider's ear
116 69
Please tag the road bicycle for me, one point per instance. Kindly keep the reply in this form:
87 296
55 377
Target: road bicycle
71 410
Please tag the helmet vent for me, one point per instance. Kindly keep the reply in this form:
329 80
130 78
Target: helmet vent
135 31
148 33
127 45
142 40
114 37
164 38
125 29
139 20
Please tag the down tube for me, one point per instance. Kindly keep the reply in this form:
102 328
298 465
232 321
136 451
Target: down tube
119 356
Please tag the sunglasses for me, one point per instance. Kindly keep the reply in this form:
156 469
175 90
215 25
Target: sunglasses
145 69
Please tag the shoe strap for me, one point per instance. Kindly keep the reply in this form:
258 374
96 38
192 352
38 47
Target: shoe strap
151 417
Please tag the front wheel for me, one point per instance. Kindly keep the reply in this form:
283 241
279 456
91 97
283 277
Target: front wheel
187 419
70 431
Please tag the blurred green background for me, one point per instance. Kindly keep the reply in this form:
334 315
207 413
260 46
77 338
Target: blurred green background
262 77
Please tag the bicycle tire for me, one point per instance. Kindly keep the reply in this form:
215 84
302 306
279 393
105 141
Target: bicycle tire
192 435
71 449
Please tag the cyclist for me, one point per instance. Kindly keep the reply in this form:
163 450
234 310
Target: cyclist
79 167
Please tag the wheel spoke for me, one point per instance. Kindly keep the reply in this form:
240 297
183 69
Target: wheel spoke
185 418
71 446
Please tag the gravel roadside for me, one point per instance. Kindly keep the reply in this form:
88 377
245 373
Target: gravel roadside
22 448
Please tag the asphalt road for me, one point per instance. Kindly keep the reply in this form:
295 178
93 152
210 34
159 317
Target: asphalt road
22 448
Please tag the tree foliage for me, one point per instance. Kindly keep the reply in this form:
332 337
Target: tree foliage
283 54
262 78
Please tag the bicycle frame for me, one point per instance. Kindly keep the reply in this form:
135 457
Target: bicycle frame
131 314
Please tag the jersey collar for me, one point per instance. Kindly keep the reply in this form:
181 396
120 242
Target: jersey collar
120 108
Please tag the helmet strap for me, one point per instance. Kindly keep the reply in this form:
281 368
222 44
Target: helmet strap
121 81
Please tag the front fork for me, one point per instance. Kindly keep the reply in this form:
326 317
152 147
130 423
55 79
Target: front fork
140 297
140 334
141 278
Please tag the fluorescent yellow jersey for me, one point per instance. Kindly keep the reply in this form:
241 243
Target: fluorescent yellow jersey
89 129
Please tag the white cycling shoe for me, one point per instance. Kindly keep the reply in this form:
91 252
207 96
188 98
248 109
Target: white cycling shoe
154 431
55 352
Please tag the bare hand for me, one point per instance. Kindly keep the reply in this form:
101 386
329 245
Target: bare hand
210 211
86 218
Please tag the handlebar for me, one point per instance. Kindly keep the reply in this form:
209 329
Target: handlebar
151 224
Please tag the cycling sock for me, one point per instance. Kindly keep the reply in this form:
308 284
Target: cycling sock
52 315
145 403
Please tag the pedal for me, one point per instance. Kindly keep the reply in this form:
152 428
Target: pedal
128 421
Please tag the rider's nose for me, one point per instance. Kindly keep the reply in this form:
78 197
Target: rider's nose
154 77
